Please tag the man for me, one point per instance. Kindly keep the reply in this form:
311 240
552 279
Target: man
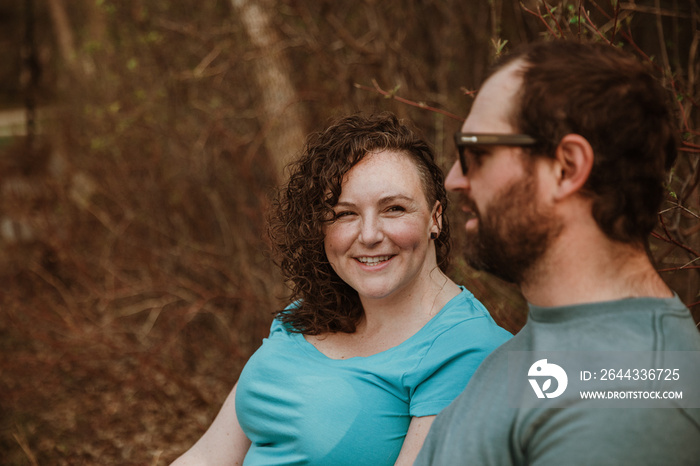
561 201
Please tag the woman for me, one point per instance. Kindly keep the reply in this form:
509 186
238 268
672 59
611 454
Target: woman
378 339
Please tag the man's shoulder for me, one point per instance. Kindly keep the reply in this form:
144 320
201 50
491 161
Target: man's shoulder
631 324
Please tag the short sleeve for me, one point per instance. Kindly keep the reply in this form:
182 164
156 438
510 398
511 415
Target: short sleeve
450 362
277 326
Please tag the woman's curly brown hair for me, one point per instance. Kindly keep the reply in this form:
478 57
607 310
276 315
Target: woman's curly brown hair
323 302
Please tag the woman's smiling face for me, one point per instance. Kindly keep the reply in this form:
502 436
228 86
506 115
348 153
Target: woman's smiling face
379 242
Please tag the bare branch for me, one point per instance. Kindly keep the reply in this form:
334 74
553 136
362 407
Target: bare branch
539 15
392 95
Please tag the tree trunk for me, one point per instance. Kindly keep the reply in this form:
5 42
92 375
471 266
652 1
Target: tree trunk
283 125
64 33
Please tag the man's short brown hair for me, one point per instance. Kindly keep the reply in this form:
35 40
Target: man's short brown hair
612 99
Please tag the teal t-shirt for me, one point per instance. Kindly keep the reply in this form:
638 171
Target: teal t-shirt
298 406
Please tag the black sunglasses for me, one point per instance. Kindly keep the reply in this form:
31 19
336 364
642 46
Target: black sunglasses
465 140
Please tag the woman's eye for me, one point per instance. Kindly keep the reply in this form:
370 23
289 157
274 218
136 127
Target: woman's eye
396 208
341 214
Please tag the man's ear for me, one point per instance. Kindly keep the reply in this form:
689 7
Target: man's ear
573 164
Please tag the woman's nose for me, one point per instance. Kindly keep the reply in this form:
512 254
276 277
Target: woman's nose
371 231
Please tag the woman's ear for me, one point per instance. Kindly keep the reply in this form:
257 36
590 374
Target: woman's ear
436 216
573 164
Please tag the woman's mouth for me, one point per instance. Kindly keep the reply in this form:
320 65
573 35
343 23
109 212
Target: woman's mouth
373 261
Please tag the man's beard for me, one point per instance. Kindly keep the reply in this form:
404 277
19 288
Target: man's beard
513 234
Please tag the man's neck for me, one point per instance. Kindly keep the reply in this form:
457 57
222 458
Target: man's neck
583 268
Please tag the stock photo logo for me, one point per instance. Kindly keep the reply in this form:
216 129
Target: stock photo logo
544 372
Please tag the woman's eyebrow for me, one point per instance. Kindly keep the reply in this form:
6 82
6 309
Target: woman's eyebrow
394 198
344 204
382 201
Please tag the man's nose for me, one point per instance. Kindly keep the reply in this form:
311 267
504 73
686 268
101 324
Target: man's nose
456 181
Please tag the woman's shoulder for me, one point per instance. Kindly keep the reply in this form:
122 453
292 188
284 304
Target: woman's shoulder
464 318
464 306
457 340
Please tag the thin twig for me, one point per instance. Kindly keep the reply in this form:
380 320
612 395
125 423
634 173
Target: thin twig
662 41
65 315
676 269
470 93
679 206
24 445
539 15
626 36
556 23
684 116
578 22
691 145
688 266
391 95
617 13
673 241
593 24
655 10
685 266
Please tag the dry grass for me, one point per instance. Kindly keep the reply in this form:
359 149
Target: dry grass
117 334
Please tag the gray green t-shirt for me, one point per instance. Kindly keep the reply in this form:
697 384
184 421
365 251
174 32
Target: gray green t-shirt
485 425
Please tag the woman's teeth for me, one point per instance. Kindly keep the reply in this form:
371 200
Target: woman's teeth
373 260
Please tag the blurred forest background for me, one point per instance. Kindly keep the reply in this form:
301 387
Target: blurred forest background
140 141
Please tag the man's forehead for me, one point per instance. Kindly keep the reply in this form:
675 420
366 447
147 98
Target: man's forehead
492 107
